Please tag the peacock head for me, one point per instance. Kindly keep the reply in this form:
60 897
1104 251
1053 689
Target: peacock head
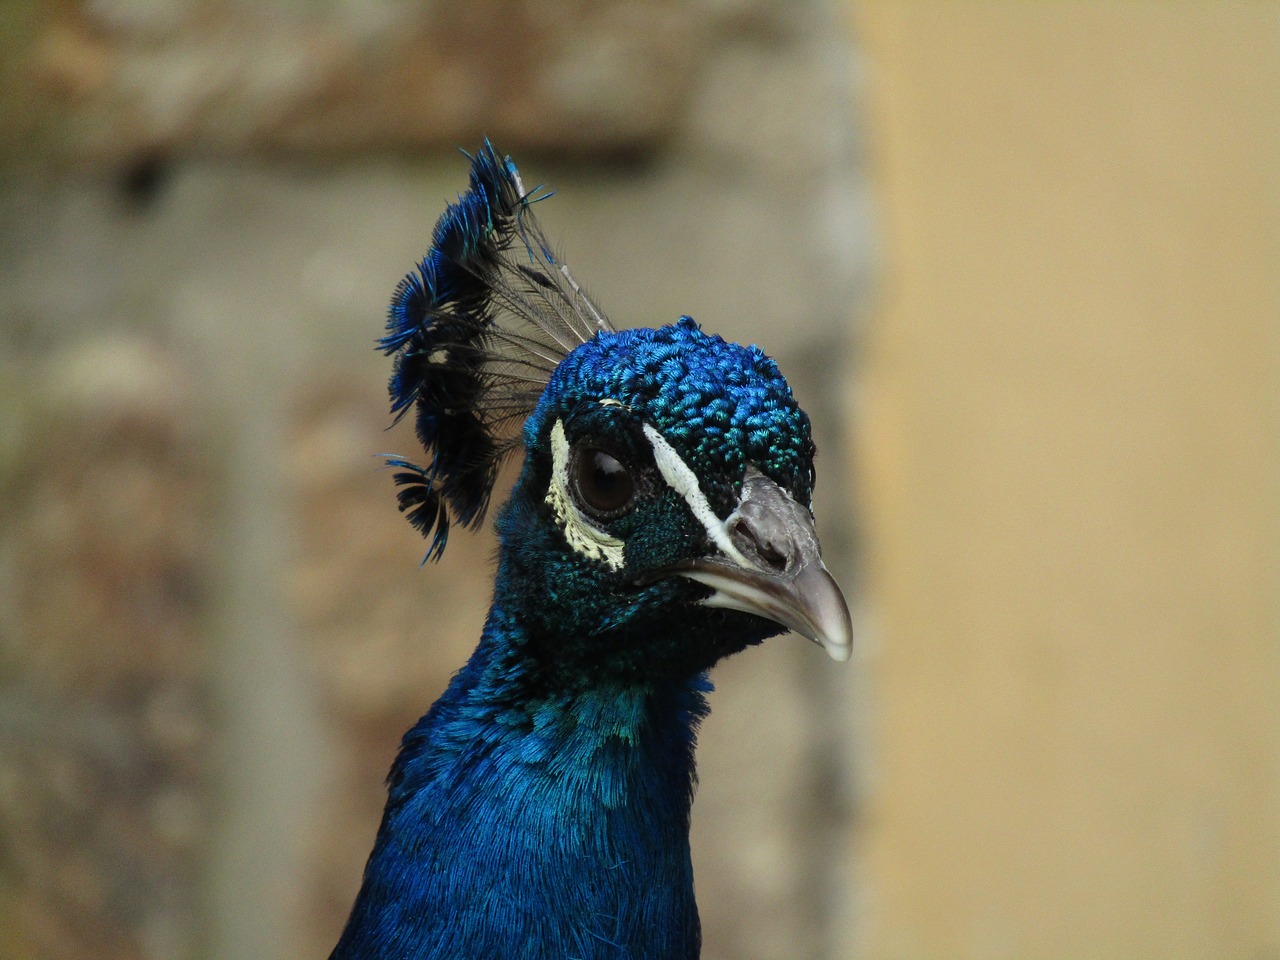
662 516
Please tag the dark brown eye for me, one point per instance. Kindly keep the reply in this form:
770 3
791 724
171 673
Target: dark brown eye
603 483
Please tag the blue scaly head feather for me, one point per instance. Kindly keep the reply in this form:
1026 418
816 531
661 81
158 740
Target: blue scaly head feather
720 407
659 523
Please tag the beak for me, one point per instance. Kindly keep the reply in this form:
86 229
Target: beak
774 569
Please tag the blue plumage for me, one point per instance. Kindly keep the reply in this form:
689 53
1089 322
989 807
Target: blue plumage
660 522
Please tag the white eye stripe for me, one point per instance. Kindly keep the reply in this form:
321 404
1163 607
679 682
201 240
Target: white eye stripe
579 532
685 482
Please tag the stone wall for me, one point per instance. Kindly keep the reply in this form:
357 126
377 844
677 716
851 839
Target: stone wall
104 653
215 626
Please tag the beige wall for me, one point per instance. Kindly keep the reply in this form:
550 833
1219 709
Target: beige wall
1071 470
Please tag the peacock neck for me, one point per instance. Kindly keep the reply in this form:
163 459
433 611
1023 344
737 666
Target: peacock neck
534 822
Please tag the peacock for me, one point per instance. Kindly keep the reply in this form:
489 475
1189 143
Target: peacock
660 522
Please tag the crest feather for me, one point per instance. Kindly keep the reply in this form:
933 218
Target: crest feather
476 330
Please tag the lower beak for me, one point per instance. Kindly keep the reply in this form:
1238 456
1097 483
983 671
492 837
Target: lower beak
777 572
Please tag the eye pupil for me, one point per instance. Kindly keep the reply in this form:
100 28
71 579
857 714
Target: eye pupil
604 483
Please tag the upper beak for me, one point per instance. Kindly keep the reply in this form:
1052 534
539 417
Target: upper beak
777 572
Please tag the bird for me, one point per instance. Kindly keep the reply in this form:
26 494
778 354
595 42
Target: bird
660 521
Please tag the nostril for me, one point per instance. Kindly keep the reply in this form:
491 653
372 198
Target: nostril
772 556
761 542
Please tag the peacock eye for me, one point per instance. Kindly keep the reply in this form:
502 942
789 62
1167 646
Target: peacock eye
602 483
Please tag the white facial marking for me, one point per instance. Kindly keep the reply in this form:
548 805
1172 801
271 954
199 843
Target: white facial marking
582 536
685 482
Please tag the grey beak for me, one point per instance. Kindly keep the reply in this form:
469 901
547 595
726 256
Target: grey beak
778 572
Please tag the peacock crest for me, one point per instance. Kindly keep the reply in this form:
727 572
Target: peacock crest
477 329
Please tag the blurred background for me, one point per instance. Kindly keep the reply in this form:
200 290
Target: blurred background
1021 262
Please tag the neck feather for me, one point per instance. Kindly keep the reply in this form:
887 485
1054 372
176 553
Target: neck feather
522 822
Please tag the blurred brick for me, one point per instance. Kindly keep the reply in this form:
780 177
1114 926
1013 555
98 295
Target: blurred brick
103 535
125 79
